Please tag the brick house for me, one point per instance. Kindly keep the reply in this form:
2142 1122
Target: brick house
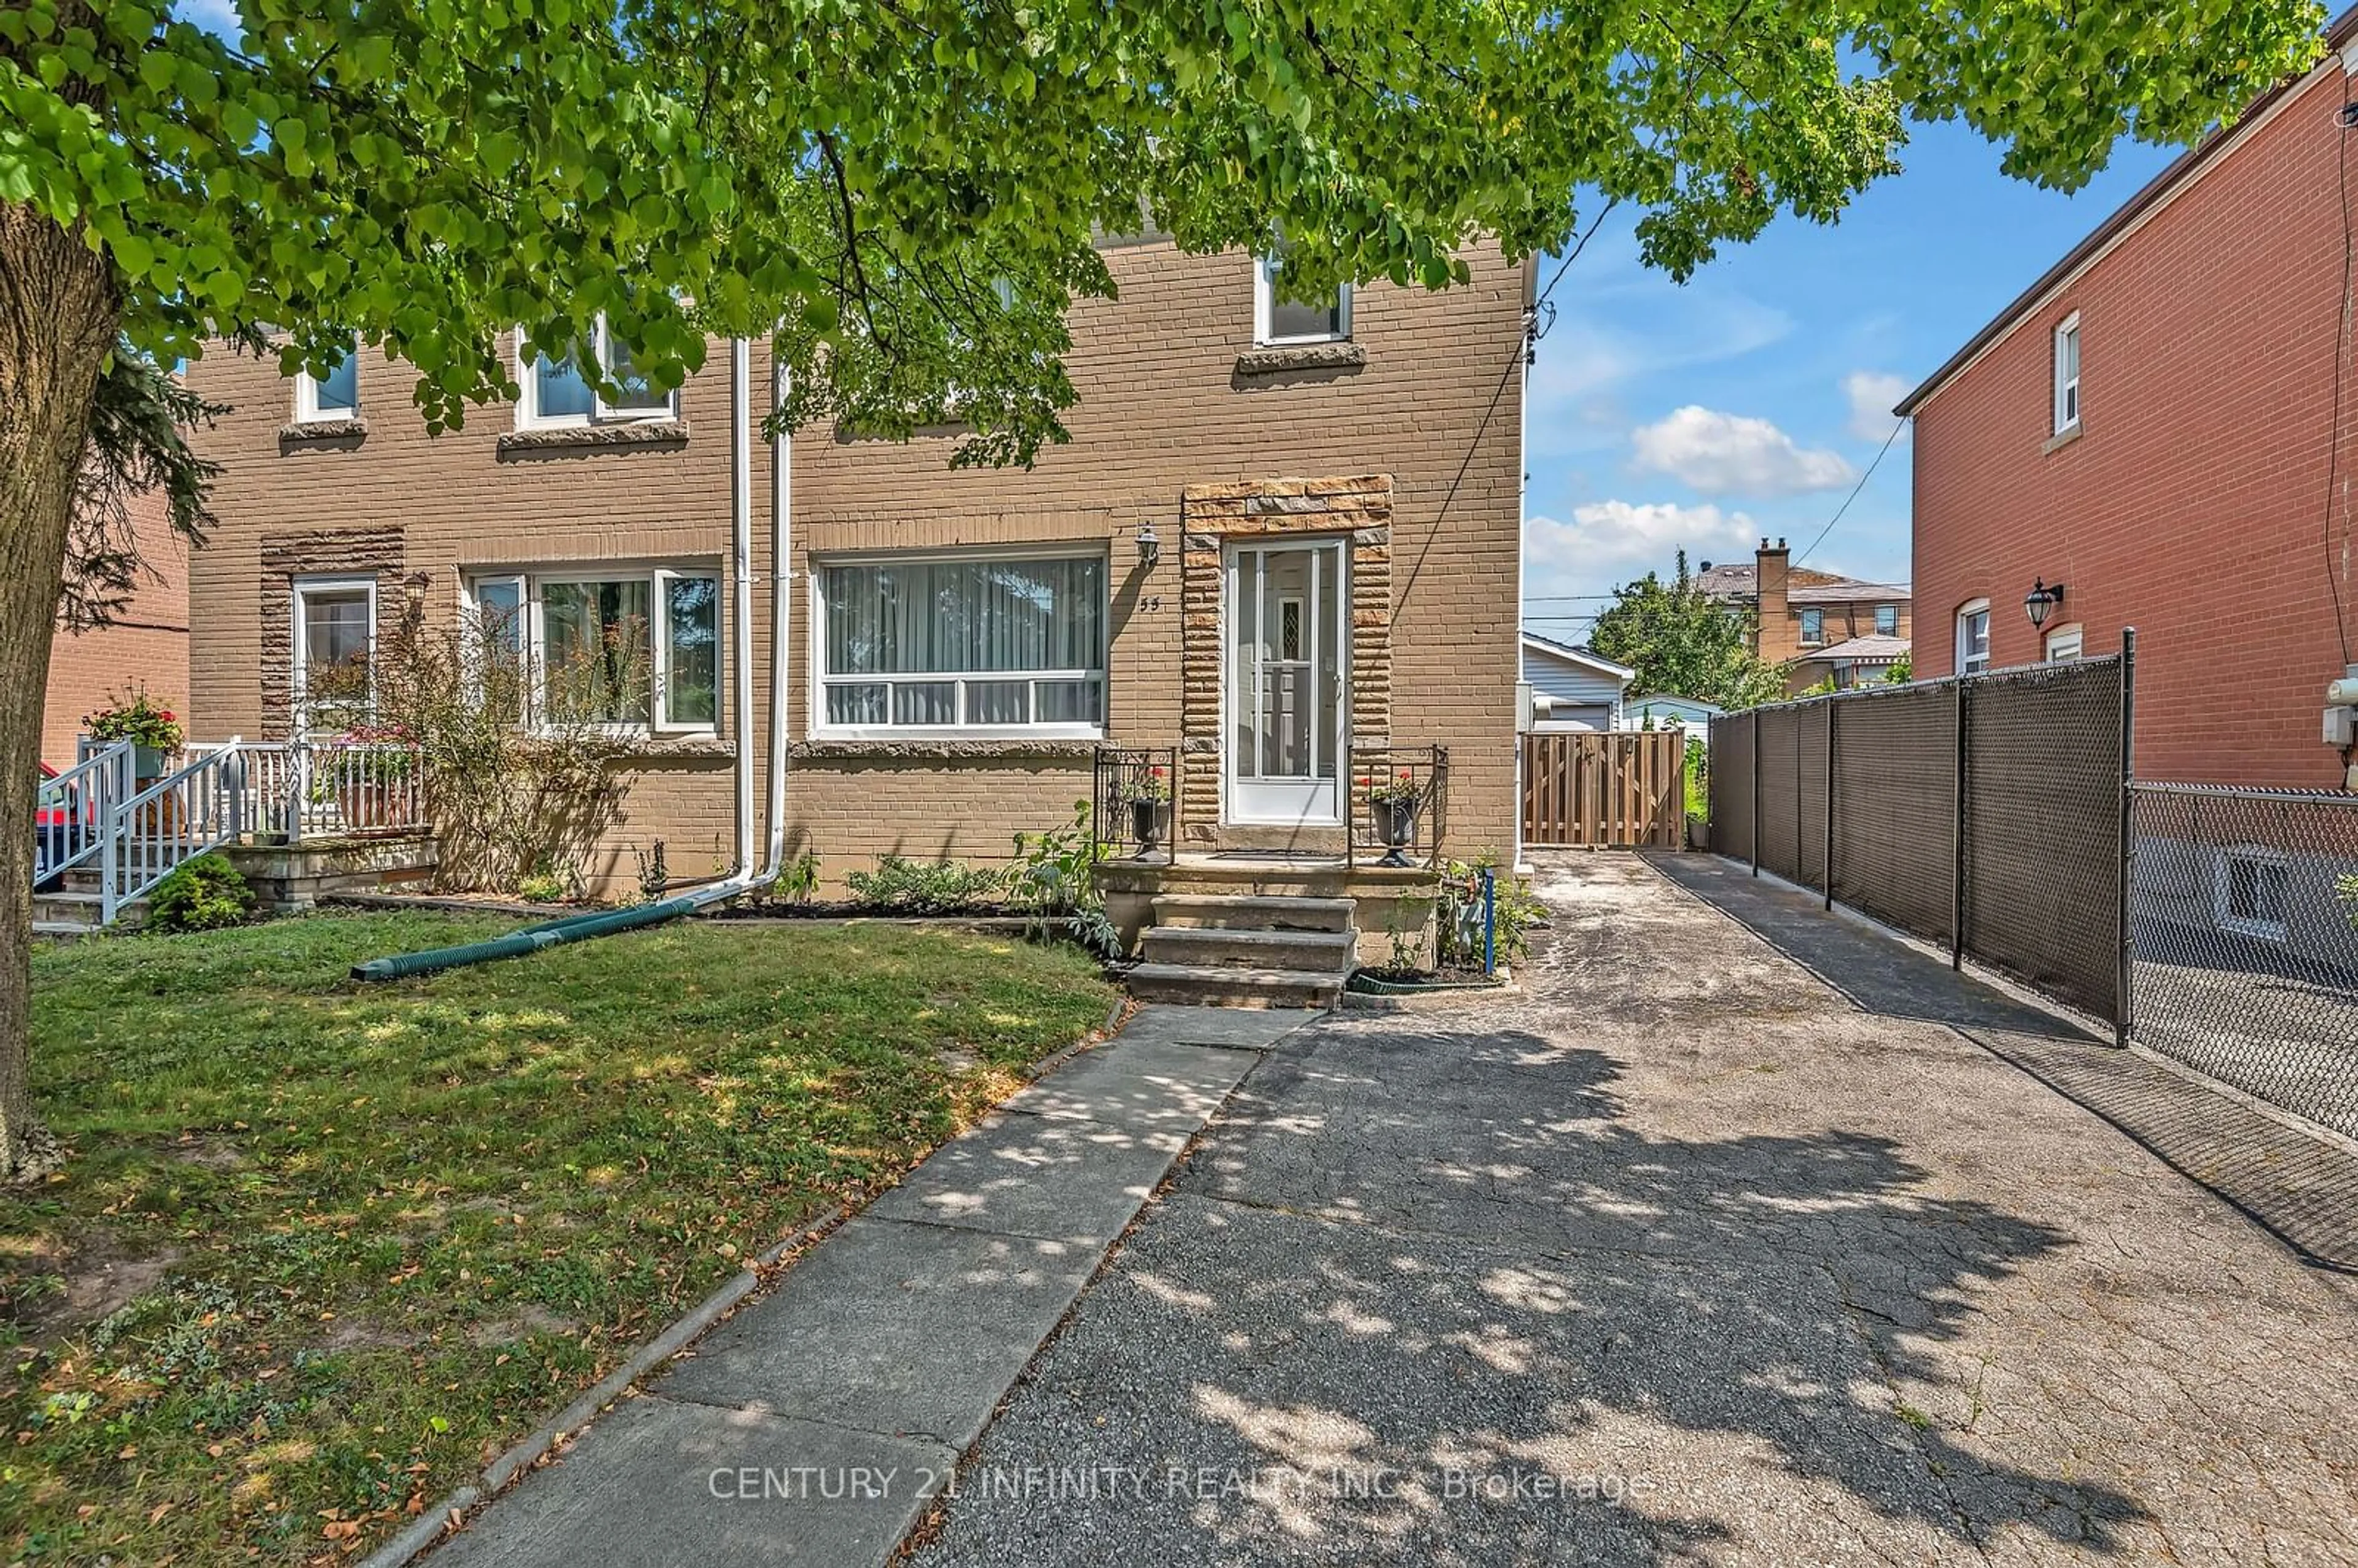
1818 626
1278 537
2151 427
145 645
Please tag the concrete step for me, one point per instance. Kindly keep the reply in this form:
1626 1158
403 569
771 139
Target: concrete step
1250 911
71 907
1201 946
1218 985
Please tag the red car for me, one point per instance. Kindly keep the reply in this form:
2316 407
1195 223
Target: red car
62 826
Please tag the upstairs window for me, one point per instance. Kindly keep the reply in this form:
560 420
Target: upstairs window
1813 628
336 396
1278 318
1887 621
2067 374
558 391
1974 638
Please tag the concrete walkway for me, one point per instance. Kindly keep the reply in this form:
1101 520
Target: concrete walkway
1692 1256
816 1424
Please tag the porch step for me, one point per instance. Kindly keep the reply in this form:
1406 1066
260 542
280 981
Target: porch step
77 910
1220 985
1203 946
1250 911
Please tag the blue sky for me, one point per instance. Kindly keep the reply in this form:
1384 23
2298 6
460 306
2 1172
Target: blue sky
1749 400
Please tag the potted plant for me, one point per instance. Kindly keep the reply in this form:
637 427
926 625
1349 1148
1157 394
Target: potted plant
1149 808
371 764
154 731
1394 803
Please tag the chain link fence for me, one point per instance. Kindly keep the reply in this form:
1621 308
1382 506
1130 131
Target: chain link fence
2245 907
1987 814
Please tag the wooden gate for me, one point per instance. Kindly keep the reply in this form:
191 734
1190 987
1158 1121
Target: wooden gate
1606 790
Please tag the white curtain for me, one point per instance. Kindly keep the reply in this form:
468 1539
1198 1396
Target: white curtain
951 617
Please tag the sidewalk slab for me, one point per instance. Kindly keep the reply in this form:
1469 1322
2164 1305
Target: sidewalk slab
893 1328
1252 1029
1077 1183
660 1484
1141 1086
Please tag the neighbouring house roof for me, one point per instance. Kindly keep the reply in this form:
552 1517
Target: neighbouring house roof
1578 654
1671 699
2181 170
1804 585
1868 650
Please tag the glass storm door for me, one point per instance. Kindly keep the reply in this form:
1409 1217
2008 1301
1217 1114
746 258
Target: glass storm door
1285 693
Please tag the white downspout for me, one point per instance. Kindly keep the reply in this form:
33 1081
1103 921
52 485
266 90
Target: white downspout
741 567
782 578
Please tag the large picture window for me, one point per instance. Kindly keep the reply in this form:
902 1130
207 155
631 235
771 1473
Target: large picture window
988 643
335 651
625 649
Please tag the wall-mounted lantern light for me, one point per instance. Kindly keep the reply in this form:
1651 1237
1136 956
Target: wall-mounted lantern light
1149 546
2041 601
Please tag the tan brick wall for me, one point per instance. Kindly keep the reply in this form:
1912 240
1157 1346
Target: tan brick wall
1164 406
147 645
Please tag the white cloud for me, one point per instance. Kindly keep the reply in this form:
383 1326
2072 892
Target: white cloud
1872 393
1722 454
1625 538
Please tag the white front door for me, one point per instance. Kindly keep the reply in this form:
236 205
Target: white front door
1287 625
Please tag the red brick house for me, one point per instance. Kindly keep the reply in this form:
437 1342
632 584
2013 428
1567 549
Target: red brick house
145 646
2155 426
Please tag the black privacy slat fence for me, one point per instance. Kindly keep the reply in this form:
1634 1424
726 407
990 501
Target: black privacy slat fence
1989 814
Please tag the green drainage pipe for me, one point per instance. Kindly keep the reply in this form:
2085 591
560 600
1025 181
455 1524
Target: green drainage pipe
531 939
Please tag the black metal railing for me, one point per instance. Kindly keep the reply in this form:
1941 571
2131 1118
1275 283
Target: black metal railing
1395 805
1135 795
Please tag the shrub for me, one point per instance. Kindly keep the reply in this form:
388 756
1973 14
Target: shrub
924 887
200 895
1514 909
541 887
1055 880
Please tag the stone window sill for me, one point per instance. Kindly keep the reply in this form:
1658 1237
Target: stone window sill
576 437
1014 750
308 431
665 748
2062 439
1293 357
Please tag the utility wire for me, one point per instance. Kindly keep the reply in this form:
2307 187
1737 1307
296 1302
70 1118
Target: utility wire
2348 117
1898 426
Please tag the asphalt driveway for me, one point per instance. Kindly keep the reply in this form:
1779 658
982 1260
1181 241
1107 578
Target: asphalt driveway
1690 1255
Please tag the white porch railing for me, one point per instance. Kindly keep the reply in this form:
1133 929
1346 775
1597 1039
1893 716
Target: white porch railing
96 820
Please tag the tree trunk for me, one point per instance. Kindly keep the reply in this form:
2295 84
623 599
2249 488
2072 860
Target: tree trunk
58 316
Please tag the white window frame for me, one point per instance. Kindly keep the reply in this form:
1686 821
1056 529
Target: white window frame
2068 368
2223 901
1265 304
308 408
1965 612
2066 644
299 642
528 416
815 695
1814 638
658 578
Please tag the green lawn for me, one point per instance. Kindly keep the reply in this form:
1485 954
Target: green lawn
322 1248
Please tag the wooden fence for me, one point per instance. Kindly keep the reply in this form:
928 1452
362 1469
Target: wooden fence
1606 790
